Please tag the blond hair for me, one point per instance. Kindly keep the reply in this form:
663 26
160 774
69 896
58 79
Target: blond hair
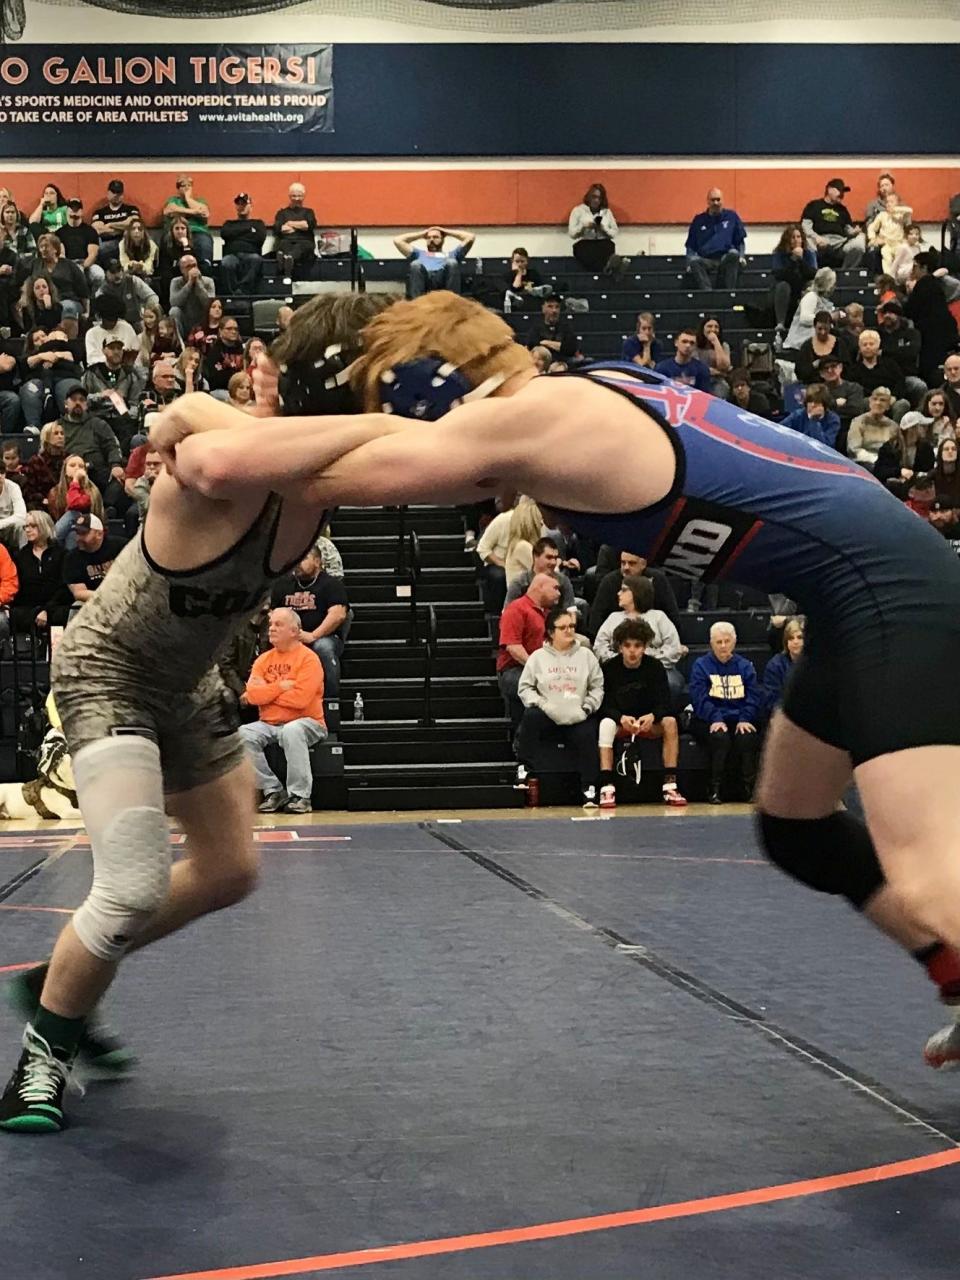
442 325
526 525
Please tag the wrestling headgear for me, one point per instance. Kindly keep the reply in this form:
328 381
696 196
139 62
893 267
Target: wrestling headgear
429 388
321 387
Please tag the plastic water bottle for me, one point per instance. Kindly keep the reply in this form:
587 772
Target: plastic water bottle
358 707
479 266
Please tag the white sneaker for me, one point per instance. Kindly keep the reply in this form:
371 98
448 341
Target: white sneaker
608 797
590 798
521 780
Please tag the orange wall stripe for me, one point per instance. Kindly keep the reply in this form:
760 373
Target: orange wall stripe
503 197
577 1226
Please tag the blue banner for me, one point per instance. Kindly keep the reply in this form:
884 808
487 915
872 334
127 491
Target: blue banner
86 100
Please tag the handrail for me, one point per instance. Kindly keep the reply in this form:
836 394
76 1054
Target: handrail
354 247
947 222
413 573
430 657
401 541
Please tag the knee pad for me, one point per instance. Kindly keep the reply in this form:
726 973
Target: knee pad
607 732
120 793
832 855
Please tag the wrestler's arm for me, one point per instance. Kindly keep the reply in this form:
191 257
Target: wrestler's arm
365 458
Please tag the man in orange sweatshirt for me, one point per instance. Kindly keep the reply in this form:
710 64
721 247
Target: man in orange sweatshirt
286 683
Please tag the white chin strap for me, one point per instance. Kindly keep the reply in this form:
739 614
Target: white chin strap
486 388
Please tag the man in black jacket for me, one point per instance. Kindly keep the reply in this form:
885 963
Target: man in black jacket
901 341
605 601
552 332
295 229
242 263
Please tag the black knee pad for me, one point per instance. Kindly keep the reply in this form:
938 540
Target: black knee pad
832 855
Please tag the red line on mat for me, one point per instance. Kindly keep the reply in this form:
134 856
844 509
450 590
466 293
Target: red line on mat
60 911
576 1226
12 968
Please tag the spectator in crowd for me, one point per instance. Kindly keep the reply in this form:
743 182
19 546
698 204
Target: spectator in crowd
715 247
901 341
830 230
51 367
643 347
207 330
74 493
546 560
190 295
294 229
522 633
18 233
903 456
636 704
821 344
42 471
109 324
13 462
521 281
51 211
524 532
816 298
593 230
794 266
846 398
561 689
886 186
887 231
552 331
8 590
236 662
196 211
148 335
745 396
114 389
188 372
142 488
320 602
87 565
174 243
89 436
635 600
254 349
684 367
951 388
725 695
38 306
286 685
542 358
138 254
111 221
715 354
129 290
610 581
241 267
13 513
913 244
81 244
927 307
164 385
240 391
946 479
58 271
492 553
224 358
434 267
284 315
932 415
778 669
9 284
42 598
9 378
873 369
872 429
850 320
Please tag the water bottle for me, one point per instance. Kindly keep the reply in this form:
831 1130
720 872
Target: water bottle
507 303
358 707
479 266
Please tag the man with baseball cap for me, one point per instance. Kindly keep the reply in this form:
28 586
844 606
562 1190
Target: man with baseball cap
81 244
112 219
899 339
831 232
242 263
86 567
87 435
847 396
114 387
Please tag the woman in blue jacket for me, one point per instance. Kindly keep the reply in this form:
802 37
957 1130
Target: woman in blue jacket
778 669
794 266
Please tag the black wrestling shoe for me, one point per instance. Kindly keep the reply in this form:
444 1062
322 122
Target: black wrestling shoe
99 1051
33 1099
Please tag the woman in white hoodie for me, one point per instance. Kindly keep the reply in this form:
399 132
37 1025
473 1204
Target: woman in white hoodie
635 599
561 688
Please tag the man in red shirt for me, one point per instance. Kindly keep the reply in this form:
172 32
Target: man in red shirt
521 633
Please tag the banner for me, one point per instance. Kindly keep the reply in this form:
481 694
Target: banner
161 100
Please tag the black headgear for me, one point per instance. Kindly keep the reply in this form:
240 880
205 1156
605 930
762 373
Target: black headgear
321 387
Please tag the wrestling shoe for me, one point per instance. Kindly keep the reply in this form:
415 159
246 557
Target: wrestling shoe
272 802
608 796
33 1099
672 797
942 1050
100 1052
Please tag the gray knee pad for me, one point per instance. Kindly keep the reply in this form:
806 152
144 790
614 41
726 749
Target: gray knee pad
832 855
120 793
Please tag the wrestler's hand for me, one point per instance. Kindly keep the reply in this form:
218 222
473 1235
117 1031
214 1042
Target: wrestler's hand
190 415
266 388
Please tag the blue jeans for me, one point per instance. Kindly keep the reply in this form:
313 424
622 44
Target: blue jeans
328 649
721 272
63 530
71 308
9 412
423 281
33 395
295 739
203 247
240 272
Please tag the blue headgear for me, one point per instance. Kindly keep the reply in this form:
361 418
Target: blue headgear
429 388
322 387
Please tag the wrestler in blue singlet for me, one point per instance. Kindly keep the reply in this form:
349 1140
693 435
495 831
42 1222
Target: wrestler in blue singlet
761 505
